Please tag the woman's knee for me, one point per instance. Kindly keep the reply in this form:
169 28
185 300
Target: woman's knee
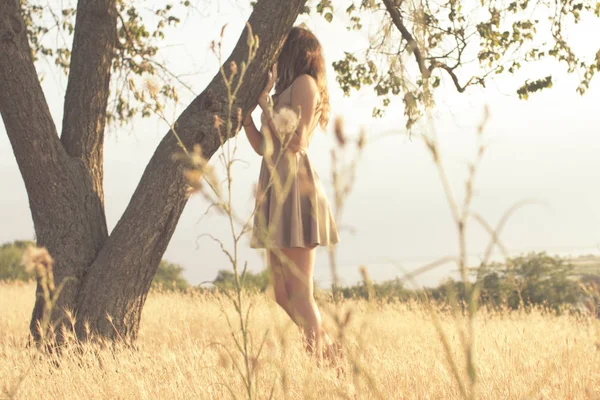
281 297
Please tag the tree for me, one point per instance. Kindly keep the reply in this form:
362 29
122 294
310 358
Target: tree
63 174
225 280
420 43
387 290
542 279
532 279
11 255
168 276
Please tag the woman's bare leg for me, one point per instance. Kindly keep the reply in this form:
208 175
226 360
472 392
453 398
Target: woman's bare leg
298 271
282 296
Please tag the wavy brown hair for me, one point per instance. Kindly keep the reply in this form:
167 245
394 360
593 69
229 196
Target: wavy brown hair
302 54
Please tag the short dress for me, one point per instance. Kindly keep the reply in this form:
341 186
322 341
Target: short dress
292 209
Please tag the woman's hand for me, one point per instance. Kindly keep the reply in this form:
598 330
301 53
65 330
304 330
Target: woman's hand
248 118
264 100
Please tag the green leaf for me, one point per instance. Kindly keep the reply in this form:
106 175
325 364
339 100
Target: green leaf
535 86
329 17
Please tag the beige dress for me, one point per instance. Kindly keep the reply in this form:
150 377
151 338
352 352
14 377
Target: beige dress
291 206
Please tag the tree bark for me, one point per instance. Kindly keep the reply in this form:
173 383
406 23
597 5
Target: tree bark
88 89
62 198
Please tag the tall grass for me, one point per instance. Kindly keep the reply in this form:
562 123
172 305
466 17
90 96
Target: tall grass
518 355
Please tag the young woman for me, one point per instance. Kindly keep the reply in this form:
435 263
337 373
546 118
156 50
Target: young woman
293 215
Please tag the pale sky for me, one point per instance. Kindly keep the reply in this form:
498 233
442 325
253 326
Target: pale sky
546 148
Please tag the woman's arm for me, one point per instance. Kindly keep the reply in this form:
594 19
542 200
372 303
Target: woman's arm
254 136
304 98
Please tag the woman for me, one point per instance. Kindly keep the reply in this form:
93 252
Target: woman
293 216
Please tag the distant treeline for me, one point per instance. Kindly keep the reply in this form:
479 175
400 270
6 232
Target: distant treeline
534 279
169 275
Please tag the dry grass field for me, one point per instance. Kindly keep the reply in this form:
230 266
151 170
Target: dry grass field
392 351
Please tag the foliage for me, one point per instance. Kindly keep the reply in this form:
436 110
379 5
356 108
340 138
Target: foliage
388 290
140 30
536 279
417 44
169 276
259 282
533 279
11 256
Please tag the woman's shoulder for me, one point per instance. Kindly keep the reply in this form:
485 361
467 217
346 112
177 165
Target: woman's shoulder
306 82
305 90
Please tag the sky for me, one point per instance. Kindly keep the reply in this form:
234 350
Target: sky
544 149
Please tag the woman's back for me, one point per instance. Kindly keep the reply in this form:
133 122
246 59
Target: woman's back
301 97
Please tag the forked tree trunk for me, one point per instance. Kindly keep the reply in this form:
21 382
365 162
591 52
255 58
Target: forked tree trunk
63 177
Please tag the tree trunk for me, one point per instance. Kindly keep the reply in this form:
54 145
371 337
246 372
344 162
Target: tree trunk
65 207
63 177
82 137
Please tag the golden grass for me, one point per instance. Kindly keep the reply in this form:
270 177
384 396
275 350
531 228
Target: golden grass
517 354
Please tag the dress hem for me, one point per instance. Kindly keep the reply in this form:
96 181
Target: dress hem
312 246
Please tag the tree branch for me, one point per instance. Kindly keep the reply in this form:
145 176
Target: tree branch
406 35
425 71
450 71
88 86
29 125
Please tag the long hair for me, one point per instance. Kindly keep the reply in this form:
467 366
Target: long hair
302 54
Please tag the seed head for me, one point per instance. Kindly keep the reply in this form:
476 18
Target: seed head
364 273
152 86
36 255
233 68
338 128
194 179
39 260
286 122
362 140
218 122
197 156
